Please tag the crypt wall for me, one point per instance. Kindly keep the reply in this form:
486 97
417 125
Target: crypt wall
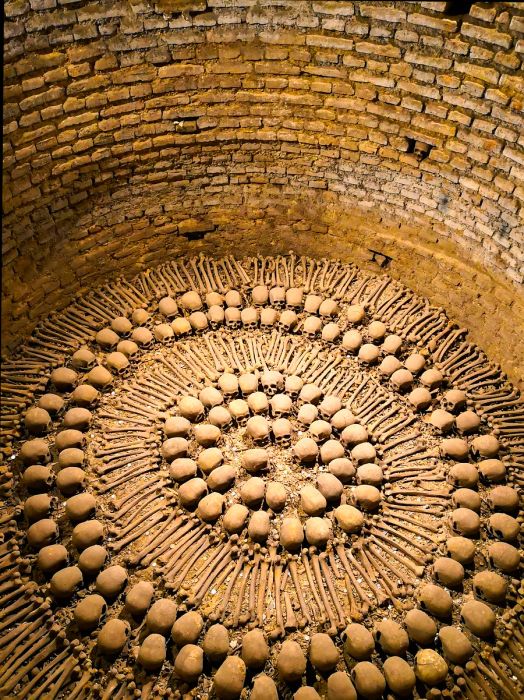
139 131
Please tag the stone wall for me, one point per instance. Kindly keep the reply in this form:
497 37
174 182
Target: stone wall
135 131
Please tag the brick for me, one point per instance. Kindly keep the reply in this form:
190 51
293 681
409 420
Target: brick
490 36
441 25
282 37
385 13
428 60
329 42
488 75
368 47
335 7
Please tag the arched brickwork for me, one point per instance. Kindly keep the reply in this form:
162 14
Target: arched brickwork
135 131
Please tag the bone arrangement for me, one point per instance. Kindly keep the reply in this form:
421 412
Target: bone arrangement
268 477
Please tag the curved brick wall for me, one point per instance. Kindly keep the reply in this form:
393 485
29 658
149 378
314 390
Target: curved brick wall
135 131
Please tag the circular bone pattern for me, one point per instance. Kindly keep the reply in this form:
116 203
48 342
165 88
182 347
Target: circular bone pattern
283 467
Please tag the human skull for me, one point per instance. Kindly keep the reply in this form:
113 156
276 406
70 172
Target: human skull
277 297
307 414
216 316
485 447
122 326
282 432
192 408
352 341
198 321
330 332
288 320
249 318
258 403
117 362
228 385
128 347
260 295
281 405
163 332
454 400
320 430
191 301
258 429
268 318
293 385
273 382
143 337
139 316
328 307
214 299
310 393
248 383
312 303
294 298
239 409
168 307
181 326
233 318
329 405
107 338
233 298
83 359
311 326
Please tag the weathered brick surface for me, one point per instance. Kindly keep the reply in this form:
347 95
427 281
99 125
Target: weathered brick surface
120 124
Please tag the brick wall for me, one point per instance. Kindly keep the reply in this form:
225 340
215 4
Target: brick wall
134 131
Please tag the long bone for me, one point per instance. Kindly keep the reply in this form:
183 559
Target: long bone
262 589
398 441
235 618
390 587
307 568
365 600
119 544
206 581
384 533
460 356
497 676
60 676
43 641
380 596
44 672
339 388
124 476
379 291
252 604
343 283
380 420
354 612
220 611
10 641
160 541
185 529
332 590
292 566
399 316
332 630
423 336
192 556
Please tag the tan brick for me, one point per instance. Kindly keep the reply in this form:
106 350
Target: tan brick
441 25
368 47
490 36
329 42
386 13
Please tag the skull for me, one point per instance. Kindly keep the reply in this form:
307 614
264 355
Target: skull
392 344
352 341
320 430
268 318
107 338
454 400
181 327
329 406
232 316
281 405
117 362
260 295
83 359
294 298
249 318
293 385
191 408
219 416
122 326
143 337
503 527
128 348
330 332
228 385
307 414
273 382
37 421
239 409
277 297
215 315
191 301
310 393
485 447
233 298
38 479
465 522
416 363
214 299
311 326
35 452
282 432
401 380
288 320
163 332
258 403
377 331
168 307
328 307
258 430
248 383
139 316
198 321
312 303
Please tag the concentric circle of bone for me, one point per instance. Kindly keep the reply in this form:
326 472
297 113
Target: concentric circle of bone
281 444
